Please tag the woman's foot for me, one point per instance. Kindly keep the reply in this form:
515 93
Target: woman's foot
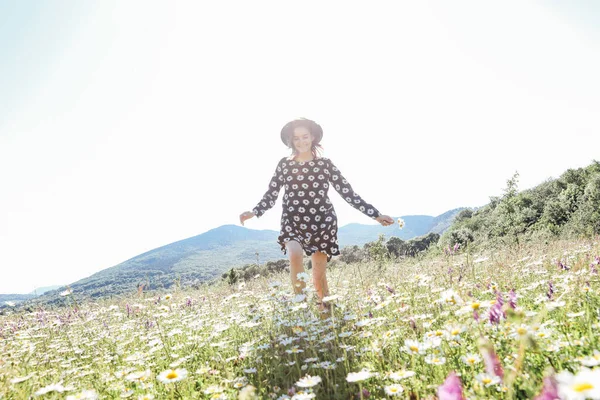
324 308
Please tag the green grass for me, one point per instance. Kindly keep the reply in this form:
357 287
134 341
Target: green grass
255 336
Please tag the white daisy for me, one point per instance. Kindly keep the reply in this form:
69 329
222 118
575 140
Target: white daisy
488 380
584 385
308 381
86 394
172 375
393 390
471 359
359 376
399 375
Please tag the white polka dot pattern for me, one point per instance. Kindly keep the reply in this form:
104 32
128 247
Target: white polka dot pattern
308 215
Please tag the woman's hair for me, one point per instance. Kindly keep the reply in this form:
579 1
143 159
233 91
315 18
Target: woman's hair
316 148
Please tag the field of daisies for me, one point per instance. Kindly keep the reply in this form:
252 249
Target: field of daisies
519 324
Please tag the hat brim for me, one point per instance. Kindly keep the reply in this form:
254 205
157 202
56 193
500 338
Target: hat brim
314 128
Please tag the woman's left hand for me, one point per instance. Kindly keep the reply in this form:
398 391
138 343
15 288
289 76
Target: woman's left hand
385 220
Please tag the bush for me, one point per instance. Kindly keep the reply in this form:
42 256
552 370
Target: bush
352 254
565 206
464 214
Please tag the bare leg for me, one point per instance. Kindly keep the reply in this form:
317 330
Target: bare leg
296 255
319 265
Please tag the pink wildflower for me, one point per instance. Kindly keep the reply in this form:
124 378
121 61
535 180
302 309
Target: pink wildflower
491 361
549 390
451 389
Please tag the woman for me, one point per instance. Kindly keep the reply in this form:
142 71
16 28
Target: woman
308 222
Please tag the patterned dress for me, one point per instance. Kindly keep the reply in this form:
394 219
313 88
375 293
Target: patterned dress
308 216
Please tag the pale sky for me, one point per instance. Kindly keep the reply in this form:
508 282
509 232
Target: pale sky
128 125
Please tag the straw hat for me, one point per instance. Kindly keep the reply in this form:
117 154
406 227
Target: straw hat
288 130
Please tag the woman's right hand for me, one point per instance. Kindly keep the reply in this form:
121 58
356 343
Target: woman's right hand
245 216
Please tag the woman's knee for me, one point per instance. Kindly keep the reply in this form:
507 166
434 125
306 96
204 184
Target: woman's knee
319 261
294 249
319 257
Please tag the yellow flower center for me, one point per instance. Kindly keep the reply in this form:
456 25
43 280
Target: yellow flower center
414 348
521 331
455 332
582 387
439 333
486 380
172 375
471 360
475 306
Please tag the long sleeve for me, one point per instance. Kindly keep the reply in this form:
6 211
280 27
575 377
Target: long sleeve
272 192
341 185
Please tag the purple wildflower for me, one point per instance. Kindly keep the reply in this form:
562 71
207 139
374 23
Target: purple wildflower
549 390
550 292
500 301
563 266
491 361
451 389
593 266
412 324
512 299
496 311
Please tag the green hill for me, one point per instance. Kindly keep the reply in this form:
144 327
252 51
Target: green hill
565 207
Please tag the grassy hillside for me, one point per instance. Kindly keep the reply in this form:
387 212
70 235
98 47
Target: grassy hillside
502 321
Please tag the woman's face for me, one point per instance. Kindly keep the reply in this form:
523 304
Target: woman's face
302 139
